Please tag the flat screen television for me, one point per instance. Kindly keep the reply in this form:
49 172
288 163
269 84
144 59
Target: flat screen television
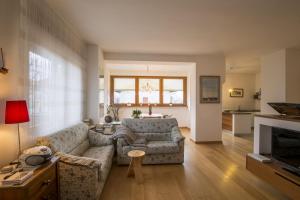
286 148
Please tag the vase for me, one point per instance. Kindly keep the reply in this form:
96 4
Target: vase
108 119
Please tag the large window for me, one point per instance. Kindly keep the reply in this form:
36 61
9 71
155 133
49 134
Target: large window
144 90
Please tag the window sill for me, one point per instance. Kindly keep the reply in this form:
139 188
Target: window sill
154 106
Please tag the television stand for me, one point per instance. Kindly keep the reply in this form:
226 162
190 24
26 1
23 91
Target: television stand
273 173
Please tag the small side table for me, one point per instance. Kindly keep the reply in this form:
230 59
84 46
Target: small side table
135 167
44 184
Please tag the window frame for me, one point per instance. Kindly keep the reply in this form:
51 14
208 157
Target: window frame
161 90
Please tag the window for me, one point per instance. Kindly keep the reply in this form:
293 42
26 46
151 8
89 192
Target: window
124 91
143 90
101 90
173 91
148 91
56 92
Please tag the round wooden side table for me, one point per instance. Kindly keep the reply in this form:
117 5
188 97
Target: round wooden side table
135 167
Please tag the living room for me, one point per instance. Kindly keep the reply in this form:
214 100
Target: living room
131 100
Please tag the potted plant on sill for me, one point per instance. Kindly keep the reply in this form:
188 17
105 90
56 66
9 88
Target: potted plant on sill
136 113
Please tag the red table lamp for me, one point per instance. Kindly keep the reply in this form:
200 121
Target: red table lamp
15 113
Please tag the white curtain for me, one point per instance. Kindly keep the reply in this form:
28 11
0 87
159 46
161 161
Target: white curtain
54 59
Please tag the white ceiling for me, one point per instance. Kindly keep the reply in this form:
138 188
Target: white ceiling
242 29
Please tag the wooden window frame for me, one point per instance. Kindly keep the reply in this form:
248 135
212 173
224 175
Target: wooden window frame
161 89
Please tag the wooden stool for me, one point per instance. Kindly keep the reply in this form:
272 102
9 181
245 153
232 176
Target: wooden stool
135 167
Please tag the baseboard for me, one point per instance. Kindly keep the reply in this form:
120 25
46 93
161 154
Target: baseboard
184 127
207 142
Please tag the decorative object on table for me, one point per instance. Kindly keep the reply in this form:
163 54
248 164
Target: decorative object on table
15 113
99 128
257 95
108 119
135 166
41 183
209 89
7 169
16 177
112 113
150 109
3 70
236 92
114 110
88 121
136 113
36 156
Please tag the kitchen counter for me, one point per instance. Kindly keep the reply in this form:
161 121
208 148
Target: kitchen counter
238 121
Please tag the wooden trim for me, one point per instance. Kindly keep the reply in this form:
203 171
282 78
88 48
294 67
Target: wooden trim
207 142
273 173
112 86
161 89
137 85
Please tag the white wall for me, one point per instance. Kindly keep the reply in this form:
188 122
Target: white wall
273 80
11 84
206 119
293 75
94 61
245 81
182 114
280 78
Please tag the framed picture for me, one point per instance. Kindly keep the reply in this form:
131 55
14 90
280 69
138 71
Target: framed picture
3 70
209 89
236 92
1 59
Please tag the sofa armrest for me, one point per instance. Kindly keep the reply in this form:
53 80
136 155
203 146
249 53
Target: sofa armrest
79 177
89 163
98 139
120 143
176 135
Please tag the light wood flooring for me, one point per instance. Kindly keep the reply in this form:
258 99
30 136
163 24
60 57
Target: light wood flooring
210 171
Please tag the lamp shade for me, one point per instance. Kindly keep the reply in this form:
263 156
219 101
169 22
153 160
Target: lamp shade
16 112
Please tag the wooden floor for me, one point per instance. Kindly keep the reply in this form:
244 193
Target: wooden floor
210 171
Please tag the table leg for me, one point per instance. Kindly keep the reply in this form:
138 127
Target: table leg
130 172
138 170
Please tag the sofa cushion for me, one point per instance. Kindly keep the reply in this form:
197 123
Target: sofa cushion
126 133
98 139
155 147
155 136
104 154
81 148
162 147
126 149
149 125
67 139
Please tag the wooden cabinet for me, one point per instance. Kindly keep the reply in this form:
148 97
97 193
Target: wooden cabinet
272 173
43 185
227 121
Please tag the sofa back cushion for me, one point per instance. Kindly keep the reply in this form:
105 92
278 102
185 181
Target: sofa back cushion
156 136
67 139
149 125
81 148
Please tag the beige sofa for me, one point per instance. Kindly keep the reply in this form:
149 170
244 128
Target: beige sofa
164 141
86 158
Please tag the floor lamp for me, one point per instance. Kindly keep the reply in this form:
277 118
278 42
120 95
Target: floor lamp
16 112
